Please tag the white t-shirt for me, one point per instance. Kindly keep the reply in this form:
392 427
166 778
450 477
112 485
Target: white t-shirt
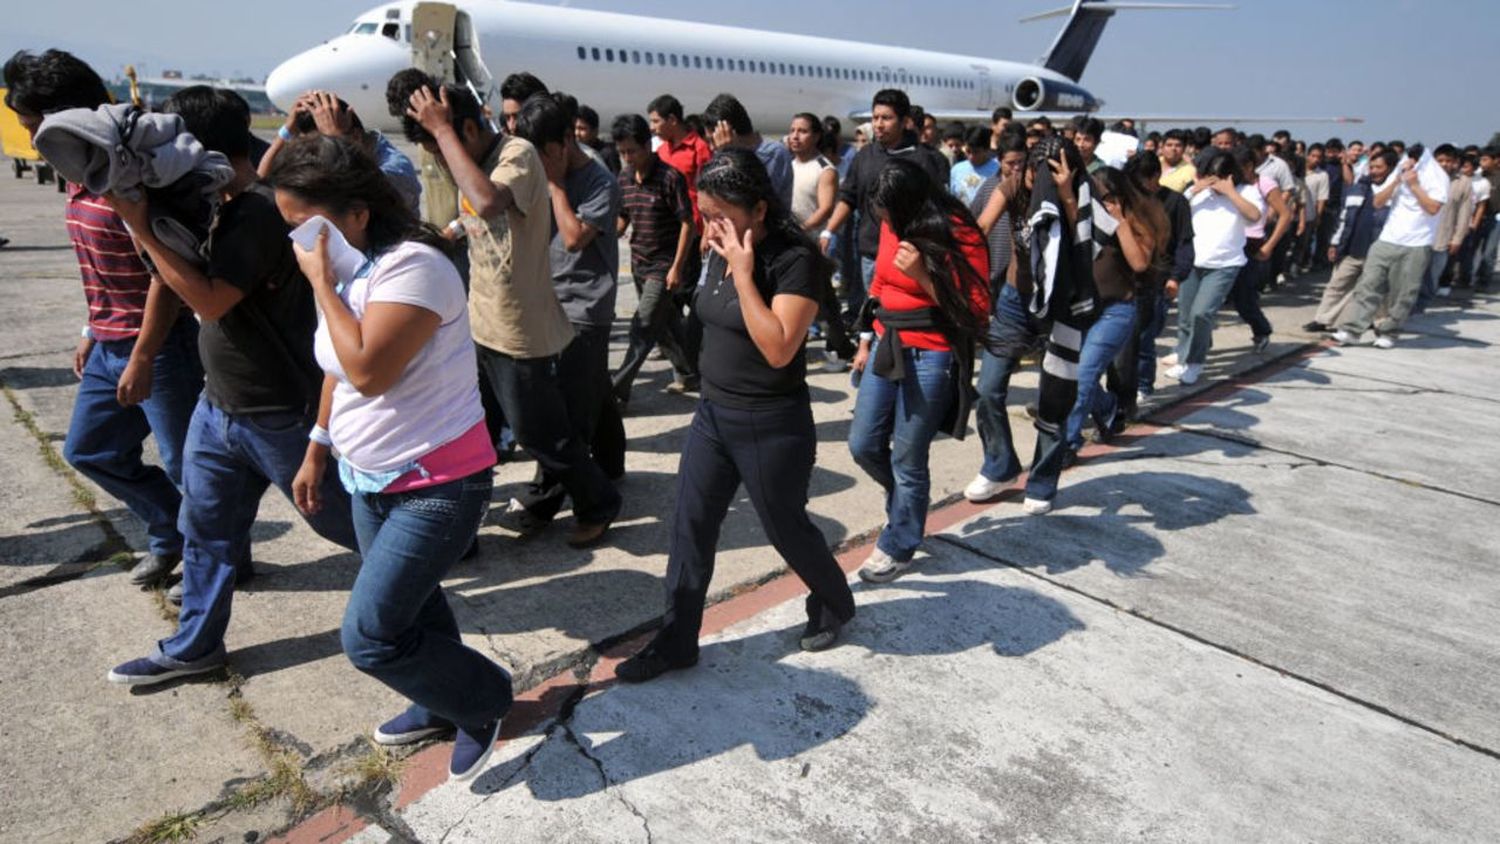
437 398
1481 190
1219 227
805 176
1408 224
1317 185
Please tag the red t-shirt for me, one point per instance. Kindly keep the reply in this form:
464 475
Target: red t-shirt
897 292
688 157
115 281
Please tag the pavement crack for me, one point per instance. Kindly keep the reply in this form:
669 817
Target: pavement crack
1237 653
610 787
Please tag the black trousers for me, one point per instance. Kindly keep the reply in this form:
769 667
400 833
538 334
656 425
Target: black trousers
771 451
529 393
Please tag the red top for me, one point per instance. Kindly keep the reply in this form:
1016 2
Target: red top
897 292
688 157
115 281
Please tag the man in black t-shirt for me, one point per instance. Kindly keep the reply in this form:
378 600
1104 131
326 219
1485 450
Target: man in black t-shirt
253 423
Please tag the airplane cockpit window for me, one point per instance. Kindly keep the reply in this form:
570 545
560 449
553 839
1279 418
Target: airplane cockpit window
366 28
391 31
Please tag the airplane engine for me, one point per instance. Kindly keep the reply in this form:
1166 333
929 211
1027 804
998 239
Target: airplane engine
1036 94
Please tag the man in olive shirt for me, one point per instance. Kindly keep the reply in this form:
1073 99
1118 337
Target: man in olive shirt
517 321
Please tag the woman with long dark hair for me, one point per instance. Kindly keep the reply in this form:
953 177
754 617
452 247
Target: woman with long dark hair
1136 232
929 300
401 405
763 282
1223 204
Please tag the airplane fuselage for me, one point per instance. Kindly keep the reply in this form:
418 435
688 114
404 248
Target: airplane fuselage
618 63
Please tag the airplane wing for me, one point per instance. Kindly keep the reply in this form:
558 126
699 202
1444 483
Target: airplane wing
981 116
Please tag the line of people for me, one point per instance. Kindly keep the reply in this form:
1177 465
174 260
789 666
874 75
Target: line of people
375 367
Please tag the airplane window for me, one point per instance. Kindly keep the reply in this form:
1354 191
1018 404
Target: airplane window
625 56
742 65
721 63
366 28
661 59
609 55
674 60
596 54
582 54
635 56
697 62
391 31
650 59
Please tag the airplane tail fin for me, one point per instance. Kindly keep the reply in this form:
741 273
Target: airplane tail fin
1074 46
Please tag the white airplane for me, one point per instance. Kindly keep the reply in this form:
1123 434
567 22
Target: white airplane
618 63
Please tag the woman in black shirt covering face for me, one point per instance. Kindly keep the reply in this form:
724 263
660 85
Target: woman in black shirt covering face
754 423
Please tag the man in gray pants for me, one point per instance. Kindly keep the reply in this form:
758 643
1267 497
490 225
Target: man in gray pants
1393 269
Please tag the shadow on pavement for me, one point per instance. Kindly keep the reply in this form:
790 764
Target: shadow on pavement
748 692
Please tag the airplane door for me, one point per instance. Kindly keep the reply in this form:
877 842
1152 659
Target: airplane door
469 63
986 88
432 28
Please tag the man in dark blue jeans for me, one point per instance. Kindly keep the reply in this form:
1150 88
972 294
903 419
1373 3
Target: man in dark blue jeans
252 425
138 359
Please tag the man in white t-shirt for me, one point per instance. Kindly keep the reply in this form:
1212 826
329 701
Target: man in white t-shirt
1393 270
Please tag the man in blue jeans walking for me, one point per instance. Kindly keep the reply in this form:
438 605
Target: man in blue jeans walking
252 425
137 362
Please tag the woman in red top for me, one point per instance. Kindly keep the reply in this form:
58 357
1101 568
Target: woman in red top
929 298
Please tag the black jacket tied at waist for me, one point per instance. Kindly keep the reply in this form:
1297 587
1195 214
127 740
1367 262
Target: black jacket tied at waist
889 362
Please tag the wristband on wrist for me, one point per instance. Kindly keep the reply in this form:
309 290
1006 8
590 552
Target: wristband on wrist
319 435
284 133
866 335
825 235
87 335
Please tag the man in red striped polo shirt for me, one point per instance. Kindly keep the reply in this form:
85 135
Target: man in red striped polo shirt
137 361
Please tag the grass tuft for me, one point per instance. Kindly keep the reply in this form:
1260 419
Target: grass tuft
170 827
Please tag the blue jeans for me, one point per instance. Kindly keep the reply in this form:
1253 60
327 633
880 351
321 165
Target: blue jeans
228 462
398 627
1198 302
104 438
1485 251
1012 332
1432 279
1152 324
1109 333
894 423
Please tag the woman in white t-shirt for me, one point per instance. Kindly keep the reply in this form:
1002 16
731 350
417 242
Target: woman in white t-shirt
401 406
1222 205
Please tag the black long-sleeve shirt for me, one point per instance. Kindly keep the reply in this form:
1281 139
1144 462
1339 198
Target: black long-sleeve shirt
858 189
1180 242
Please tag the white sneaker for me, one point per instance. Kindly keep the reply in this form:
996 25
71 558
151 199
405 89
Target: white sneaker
1444 292
1344 338
882 567
1036 507
1281 278
833 363
983 489
1175 372
1383 342
1169 360
1191 373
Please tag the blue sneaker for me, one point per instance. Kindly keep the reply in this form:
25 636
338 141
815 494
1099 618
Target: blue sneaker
471 750
409 728
146 671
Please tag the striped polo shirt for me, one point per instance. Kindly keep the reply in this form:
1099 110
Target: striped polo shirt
656 206
115 281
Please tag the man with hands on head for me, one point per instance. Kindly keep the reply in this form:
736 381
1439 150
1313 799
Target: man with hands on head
323 113
518 323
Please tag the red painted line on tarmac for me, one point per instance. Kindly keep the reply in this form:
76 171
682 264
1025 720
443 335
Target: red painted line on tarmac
427 769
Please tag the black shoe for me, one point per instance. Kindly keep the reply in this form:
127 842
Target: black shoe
1070 457
820 636
1261 343
1315 327
153 569
649 664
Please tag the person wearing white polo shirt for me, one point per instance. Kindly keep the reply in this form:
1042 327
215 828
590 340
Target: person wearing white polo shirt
1393 270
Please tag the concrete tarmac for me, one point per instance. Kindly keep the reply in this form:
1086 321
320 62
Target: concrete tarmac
1152 529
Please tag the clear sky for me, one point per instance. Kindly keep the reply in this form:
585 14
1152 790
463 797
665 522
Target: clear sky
1414 69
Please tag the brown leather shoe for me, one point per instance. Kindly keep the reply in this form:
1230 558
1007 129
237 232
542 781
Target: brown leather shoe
585 535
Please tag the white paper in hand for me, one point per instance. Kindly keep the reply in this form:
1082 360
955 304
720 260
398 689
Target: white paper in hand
343 258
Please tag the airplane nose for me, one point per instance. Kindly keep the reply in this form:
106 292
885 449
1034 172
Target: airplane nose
351 67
